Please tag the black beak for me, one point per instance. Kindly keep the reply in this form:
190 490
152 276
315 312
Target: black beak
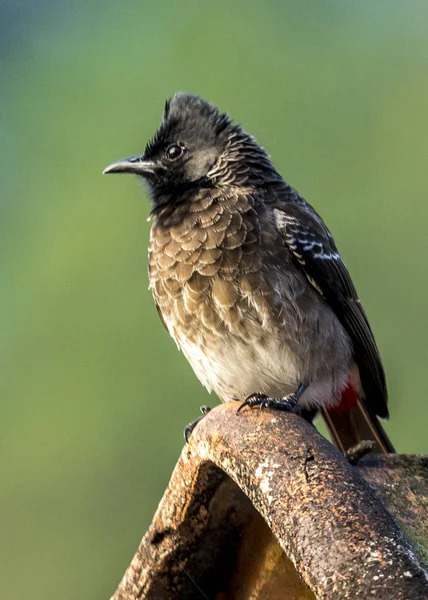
134 164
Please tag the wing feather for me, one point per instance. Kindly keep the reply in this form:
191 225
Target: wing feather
314 250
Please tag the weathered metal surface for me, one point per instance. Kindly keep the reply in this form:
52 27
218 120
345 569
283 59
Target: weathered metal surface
401 483
208 538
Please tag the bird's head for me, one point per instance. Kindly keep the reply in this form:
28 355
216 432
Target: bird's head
195 146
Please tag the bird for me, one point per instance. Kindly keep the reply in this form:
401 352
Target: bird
247 278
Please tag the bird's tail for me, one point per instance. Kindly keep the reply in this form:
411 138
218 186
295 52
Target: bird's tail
353 421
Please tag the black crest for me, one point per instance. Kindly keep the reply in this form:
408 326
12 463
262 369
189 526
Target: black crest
189 119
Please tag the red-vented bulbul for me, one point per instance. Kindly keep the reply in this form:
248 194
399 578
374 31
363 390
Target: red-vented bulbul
248 281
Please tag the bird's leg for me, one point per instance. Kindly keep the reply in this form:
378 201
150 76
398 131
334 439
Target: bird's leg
288 403
191 426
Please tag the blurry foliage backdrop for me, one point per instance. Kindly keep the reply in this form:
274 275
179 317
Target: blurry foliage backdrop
94 395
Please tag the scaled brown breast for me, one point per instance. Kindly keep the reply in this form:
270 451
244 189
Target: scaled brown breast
205 266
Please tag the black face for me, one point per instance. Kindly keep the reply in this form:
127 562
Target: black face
178 163
187 145
188 142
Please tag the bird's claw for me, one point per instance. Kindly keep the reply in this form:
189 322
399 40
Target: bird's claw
287 404
191 426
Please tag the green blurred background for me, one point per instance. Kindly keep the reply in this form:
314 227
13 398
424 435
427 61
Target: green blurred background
94 394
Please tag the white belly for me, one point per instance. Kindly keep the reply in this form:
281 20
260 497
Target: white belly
235 369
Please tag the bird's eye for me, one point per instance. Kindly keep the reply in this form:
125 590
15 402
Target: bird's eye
174 151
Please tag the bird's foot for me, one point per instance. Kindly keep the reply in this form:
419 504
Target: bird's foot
191 426
289 403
